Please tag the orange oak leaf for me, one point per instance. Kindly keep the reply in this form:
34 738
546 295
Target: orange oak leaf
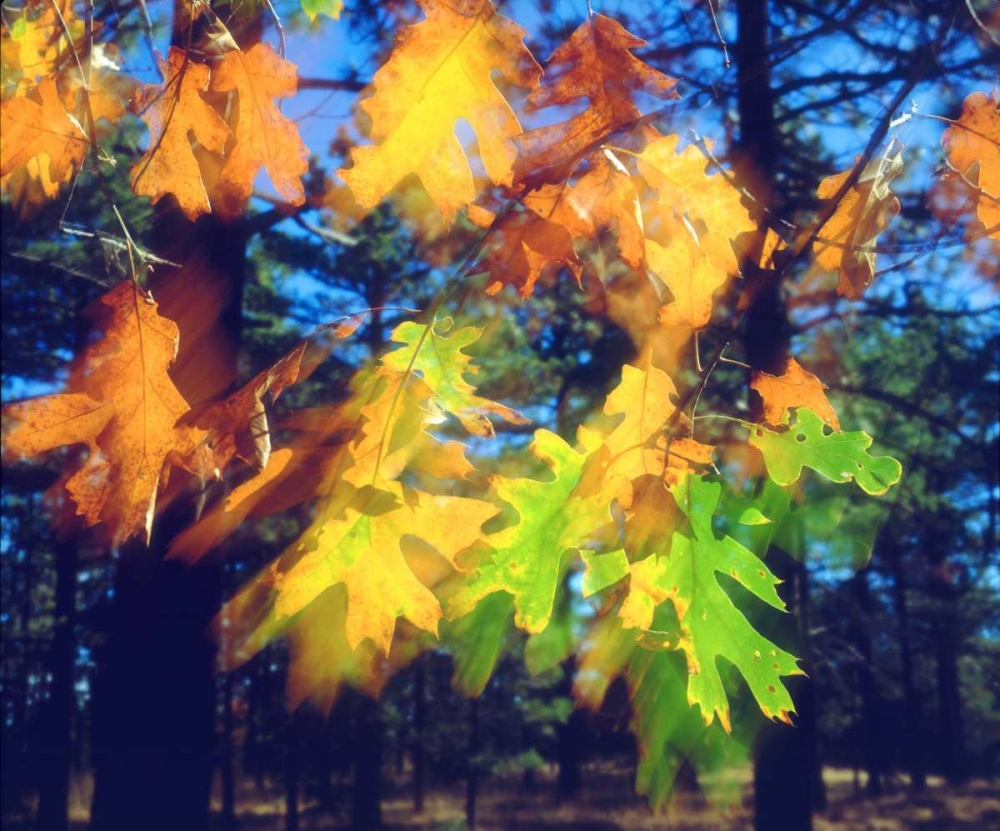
237 425
557 215
797 387
440 71
175 111
31 129
846 242
123 405
972 145
595 63
263 136
529 246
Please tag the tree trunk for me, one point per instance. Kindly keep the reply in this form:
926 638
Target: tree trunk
57 722
228 820
570 749
869 725
787 776
366 796
292 764
952 735
787 773
913 733
154 704
472 773
419 718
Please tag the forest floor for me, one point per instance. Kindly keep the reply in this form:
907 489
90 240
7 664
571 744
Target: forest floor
607 802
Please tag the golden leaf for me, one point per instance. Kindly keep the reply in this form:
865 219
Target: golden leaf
264 137
30 129
175 110
439 72
122 404
595 63
973 149
846 241
795 388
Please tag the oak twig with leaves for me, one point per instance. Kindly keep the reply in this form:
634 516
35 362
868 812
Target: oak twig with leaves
398 516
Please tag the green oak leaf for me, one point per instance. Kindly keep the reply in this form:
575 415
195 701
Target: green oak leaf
331 8
476 641
710 624
667 730
838 455
437 357
528 558
602 570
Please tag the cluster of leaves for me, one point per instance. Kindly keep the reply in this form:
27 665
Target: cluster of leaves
401 523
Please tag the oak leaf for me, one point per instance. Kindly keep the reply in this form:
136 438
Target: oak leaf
42 128
710 625
314 8
263 136
437 357
530 246
797 387
123 405
440 71
595 63
846 241
174 112
839 456
528 556
556 216
667 731
700 218
972 145
362 551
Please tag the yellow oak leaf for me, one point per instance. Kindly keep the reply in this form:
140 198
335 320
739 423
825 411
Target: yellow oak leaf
123 405
362 551
973 148
846 242
691 277
440 71
595 63
684 189
175 111
797 387
263 136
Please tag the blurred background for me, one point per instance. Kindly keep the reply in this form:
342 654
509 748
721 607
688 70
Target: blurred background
110 685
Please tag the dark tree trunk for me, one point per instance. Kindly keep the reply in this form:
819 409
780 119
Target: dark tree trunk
155 699
787 776
787 773
913 732
419 718
228 820
952 729
869 725
472 772
57 722
366 795
570 749
154 733
292 775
